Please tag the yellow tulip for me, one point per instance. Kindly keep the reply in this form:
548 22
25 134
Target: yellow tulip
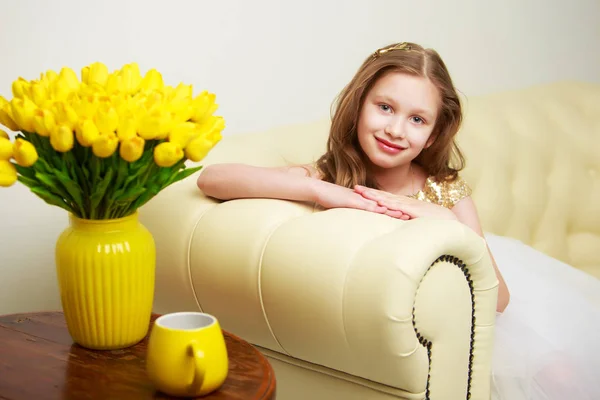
6 118
181 111
6 148
132 149
210 126
8 173
95 74
65 114
130 77
180 103
107 119
43 122
153 100
85 106
39 94
24 153
182 92
20 88
167 154
182 134
64 85
23 111
122 103
155 125
86 132
68 77
208 134
49 77
4 134
114 84
85 73
127 128
61 139
105 145
59 91
152 81
204 106
199 147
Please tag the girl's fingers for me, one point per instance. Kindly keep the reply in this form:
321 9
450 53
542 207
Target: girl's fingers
360 188
372 206
395 214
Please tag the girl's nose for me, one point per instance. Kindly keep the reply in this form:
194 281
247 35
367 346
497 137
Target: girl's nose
395 129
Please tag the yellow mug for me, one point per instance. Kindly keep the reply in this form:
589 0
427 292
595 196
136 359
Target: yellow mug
186 354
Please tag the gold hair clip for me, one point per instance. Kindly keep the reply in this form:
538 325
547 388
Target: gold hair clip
399 46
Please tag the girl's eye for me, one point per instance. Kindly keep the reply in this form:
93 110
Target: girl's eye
385 108
418 120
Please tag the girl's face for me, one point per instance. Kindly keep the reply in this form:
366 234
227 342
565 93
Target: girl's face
397 118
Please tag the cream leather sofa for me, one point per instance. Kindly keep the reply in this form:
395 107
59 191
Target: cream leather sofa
352 305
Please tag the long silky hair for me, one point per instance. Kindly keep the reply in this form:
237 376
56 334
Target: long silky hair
345 163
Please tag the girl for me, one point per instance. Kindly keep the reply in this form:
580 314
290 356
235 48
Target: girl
391 150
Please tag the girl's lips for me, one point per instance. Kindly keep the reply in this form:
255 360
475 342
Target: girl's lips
388 147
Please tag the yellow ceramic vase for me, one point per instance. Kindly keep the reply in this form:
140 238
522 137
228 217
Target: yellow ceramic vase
106 272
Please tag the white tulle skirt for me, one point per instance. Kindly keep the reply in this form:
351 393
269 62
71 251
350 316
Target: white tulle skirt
547 343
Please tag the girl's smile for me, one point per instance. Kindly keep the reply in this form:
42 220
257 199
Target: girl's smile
389 147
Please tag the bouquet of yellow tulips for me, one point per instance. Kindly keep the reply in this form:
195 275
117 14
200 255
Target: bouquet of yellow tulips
102 146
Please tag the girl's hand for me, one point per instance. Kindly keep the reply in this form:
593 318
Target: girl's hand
329 195
404 207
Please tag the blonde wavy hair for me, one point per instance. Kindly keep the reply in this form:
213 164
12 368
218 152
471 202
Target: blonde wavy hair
345 163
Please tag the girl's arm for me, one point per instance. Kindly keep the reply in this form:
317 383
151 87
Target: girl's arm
466 213
234 181
302 183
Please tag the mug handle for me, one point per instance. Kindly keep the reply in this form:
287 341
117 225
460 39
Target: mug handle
199 366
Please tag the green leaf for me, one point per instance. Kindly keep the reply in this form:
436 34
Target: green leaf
182 175
136 177
52 199
76 173
151 191
43 166
130 195
162 176
27 172
100 189
95 168
123 170
86 172
72 188
53 185
27 181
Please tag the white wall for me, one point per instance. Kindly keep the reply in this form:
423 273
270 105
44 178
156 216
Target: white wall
271 63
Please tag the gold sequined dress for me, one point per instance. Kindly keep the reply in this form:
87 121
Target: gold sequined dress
445 193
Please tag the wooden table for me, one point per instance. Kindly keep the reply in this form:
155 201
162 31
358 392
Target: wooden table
38 360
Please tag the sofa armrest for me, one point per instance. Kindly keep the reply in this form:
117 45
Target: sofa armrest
410 305
172 217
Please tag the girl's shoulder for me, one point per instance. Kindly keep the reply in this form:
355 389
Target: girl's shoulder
444 192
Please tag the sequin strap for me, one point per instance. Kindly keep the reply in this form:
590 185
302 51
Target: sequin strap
444 193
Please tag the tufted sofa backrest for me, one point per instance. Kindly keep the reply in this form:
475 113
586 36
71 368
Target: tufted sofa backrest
533 161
